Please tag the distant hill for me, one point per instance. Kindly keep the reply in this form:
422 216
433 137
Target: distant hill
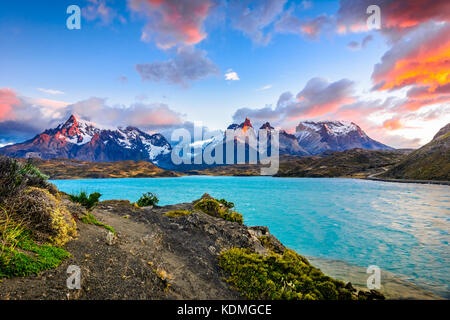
430 162
355 163
74 169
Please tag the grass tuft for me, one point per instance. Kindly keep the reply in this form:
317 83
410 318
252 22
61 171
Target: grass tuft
90 219
177 213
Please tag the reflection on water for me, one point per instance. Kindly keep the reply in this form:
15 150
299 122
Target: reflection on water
402 228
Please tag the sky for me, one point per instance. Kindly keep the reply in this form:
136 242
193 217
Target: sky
163 64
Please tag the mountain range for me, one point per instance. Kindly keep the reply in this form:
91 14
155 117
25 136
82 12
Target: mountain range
83 140
86 141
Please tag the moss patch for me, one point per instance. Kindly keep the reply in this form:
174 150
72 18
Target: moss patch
177 213
90 219
279 276
20 255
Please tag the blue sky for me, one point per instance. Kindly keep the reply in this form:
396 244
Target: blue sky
39 52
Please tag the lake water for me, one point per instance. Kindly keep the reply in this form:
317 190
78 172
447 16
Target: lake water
402 228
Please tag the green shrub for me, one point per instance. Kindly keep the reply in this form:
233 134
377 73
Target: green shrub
279 276
148 199
229 205
15 177
86 201
214 208
90 219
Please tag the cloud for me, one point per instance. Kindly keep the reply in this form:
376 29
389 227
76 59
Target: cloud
311 28
8 100
355 45
396 17
98 9
151 116
307 4
173 22
189 65
231 76
253 18
393 124
18 115
420 62
51 91
318 98
266 87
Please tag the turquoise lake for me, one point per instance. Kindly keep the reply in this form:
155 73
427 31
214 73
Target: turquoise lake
402 228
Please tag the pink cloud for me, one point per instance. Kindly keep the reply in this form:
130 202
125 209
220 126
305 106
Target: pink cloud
7 101
173 22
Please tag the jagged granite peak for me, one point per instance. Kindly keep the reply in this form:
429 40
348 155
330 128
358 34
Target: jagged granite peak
318 137
266 126
84 140
246 124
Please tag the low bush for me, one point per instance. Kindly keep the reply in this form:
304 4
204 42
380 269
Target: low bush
214 208
148 199
44 214
279 276
229 205
86 201
15 177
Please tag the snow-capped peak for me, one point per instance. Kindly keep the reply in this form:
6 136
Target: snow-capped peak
337 128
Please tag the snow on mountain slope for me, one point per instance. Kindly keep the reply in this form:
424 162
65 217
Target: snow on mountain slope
84 140
321 136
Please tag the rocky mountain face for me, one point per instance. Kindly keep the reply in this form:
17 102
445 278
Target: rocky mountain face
83 140
321 136
430 162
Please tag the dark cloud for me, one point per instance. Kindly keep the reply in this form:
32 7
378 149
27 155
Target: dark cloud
189 65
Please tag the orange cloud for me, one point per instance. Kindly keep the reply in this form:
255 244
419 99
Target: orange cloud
7 100
427 65
392 124
421 62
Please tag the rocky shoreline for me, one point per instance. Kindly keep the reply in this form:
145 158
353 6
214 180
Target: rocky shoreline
152 256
